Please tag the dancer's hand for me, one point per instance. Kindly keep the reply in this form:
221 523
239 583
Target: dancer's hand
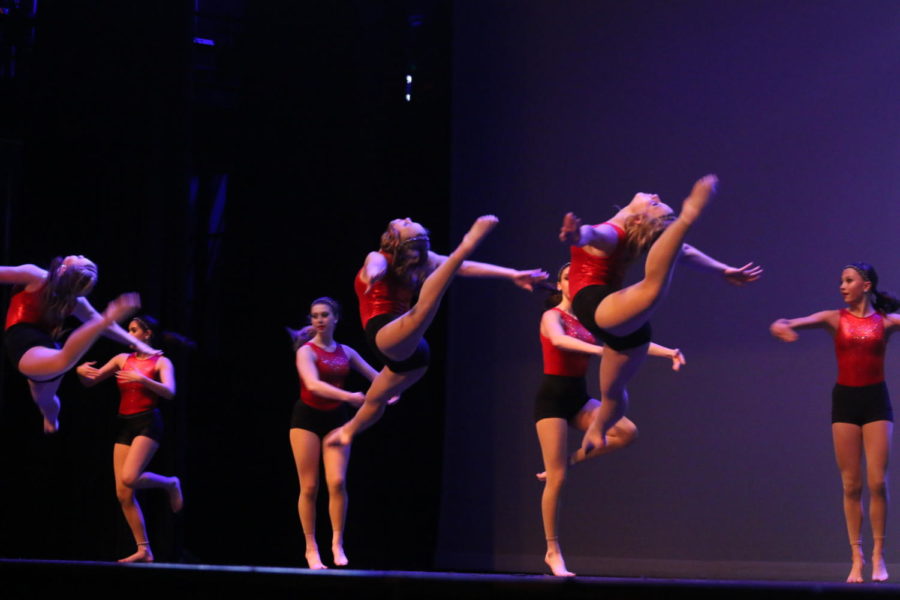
122 307
570 232
527 279
783 331
678 359
87 370
743 275
357 399
130 376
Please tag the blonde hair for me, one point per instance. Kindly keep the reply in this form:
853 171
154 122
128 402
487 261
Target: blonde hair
62 290
640 233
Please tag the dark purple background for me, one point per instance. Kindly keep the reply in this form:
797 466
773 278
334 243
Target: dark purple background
577 106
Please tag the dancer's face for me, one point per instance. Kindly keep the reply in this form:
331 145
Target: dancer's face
322 318
407 228
651 206
563 283
853 286
138 331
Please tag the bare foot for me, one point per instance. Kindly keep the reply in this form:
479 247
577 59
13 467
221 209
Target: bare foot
703 191
856 568
51 427
479 230
143 555
313 560
557 564
879 569
50 412
176 498
340 559
338 437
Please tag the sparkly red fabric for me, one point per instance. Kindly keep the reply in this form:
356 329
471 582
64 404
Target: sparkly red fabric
135 397
388 295
859 345
587 269
566 362
333 368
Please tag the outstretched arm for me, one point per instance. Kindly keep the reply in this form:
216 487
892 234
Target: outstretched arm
164 388
359 364
673 354
785 329
84 312
90 376
27 275
733 275
603 236
373 269
306 367
470 268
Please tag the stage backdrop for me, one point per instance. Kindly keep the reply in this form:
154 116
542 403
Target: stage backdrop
577 106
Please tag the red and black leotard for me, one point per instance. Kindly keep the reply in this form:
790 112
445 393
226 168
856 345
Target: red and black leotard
860 395
563 392
315 413
135 397
27 325
565 362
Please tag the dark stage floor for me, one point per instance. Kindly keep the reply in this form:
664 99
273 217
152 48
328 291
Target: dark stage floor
30 579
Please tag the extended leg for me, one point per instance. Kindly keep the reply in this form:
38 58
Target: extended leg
616 370
848 448
552 434
44 395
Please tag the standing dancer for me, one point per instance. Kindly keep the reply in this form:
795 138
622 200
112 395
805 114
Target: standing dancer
861 414
324 405
40 303
617 316
143 379
385 286
563 401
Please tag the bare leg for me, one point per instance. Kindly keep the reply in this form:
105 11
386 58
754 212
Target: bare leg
399 338
387 384
336 459
626 310
44 395
125 493
877 444
848 447
552 434
305 446
616 370
623 433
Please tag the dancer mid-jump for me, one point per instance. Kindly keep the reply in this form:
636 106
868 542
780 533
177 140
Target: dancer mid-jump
395 329
40 303
861 413
617 316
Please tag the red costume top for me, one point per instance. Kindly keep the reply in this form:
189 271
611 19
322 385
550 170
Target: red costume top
136 397
389 295
859 345
566 362
333 368
27 307
588 269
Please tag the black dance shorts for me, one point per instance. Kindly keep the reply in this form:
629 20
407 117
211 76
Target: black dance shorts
861 404
320 422
420 358
584 307
148 424
561 397
22 337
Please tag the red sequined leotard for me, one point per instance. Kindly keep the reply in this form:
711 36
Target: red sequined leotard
859 345
136 397
27 307
588 269
333 368
389 295
566 362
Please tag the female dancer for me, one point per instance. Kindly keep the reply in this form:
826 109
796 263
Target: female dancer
563 400
617 316
395 330
143 378
324 405
861 414
40 303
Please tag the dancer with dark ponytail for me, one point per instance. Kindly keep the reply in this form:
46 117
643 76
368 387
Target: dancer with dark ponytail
395 328
861 413
143 379
620 316
40 303
563 401
324 405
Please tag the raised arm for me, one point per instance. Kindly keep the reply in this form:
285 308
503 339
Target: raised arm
733 275
602 237
164 388
374 268
552 328
84 312
30 276
470 268
673 354
306 367
89 376
785 329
